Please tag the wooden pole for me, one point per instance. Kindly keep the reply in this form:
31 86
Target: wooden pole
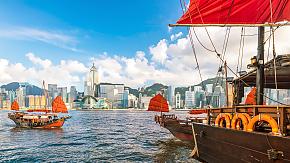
260 67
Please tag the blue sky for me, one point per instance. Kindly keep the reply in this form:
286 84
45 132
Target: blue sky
116 27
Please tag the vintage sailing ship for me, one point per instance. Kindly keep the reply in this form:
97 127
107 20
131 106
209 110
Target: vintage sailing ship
40 118
239 132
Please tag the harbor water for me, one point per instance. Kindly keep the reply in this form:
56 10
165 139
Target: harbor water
93 136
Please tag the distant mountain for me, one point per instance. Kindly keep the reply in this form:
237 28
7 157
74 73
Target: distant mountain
11 86
153 89
30 89
133 91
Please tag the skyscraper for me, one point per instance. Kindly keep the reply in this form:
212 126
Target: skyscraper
177 100
62 91
92 81
170 95
52 90
20 95
73 94
189 99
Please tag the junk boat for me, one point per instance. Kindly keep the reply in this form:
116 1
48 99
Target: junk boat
40 118
243 133
179 128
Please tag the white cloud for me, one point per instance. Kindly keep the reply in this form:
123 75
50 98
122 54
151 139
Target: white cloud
169 29
175 36
178 66
38 61
159 51
66 73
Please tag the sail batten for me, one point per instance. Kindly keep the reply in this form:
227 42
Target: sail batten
236 12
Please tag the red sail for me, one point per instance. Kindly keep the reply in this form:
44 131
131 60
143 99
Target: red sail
58 105
251 97
236 12
14 105
158 103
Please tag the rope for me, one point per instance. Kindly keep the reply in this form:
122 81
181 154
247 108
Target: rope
240 49
192 43
243 44
275 73
201 42
195 56
205 28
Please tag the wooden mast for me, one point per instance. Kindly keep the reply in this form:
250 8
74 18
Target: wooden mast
260 67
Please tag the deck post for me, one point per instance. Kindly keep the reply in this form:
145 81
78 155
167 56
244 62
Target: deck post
282 122
260 67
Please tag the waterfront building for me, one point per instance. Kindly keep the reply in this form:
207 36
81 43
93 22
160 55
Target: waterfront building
197 88
189 99
2 90
37 102
218 97
114 93
177 100
62 91
90 103
132 101
144 102
11 95
139 100
31 101
73 94
52 90
52 93
170 95
126 98
20 96
91 82
3 96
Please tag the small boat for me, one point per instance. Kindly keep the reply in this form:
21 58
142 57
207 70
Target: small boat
40 118
181 129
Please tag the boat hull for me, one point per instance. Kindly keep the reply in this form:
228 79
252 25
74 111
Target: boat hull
182 131
54 123
216 144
